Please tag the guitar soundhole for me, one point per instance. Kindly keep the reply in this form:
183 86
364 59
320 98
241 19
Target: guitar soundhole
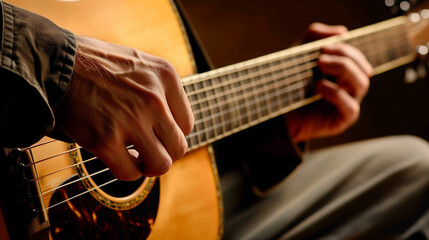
116 188
84 217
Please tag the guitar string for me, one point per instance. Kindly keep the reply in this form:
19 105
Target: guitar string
286 67
63 169
246 84
52 156
255 82
84 192
36 145
80 194
362 41
252 88
68 183
254 111
297 78
68 167
210 118
282 68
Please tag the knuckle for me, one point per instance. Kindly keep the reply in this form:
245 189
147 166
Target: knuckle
153 96
166 69
163 167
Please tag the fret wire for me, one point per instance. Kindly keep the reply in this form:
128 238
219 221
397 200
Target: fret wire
251 86
213 102
242 92
205 85
269 90
235 98
199 126
264 90
229 104
193 141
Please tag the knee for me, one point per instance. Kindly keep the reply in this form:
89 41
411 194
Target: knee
413 150
414 146
401 151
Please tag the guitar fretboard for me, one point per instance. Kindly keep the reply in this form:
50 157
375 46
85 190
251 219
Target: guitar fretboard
233 98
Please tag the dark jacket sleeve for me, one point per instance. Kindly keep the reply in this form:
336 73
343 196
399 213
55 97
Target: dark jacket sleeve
36 64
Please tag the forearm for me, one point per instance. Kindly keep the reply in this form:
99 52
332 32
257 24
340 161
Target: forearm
36 64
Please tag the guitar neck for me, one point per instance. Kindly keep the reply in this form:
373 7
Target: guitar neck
236 97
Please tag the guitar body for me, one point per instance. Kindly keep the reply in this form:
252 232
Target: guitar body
72 203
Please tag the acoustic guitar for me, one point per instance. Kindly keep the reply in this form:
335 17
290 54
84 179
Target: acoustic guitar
60 191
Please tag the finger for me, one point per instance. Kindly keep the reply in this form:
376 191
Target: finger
119 161
177 99
153 159
318 31
171 136
346 50
348 108
348 74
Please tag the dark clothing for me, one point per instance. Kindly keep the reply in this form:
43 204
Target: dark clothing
36 64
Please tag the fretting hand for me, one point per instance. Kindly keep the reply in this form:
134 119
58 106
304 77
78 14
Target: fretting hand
341 105
120 96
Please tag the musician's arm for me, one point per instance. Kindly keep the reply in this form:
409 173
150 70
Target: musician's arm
36 63
104 96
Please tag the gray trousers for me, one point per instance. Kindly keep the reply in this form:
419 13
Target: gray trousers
374 189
